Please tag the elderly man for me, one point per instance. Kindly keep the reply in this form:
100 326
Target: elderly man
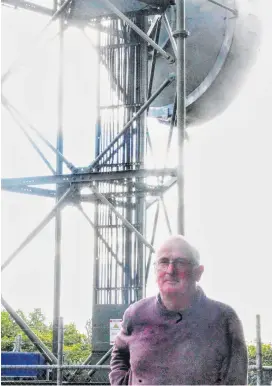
179 337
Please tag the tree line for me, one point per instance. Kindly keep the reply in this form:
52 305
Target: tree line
77 346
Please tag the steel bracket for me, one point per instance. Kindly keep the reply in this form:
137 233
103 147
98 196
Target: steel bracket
182 33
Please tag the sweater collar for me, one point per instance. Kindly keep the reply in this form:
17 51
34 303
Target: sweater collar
200 296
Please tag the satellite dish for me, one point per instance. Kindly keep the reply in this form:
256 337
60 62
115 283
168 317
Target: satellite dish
220 50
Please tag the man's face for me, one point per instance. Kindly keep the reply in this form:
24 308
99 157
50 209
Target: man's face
180 275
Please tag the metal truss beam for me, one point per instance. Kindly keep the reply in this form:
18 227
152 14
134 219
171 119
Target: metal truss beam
17 116
36 231
171 128
143 35
32 142
53 17
152 72
114 197
170 33
166 187
31 191
100 235
116 204
101 361
145 106
153 25
154 57
120 195
86 178
88 360
28 6
123 219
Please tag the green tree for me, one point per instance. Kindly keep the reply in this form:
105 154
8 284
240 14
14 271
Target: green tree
76 345
36 320
266 354
9 330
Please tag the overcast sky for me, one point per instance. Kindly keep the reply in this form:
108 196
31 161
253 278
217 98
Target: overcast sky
228 184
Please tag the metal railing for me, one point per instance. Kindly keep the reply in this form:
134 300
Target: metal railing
259 368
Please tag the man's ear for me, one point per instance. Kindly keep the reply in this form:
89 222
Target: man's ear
197 272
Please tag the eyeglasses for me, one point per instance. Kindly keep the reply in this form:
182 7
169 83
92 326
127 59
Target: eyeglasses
179 264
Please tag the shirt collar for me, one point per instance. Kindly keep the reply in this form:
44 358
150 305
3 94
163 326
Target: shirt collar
200 295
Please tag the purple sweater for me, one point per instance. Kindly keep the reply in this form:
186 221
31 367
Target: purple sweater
156 346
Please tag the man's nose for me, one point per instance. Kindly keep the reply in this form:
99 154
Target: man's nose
171 268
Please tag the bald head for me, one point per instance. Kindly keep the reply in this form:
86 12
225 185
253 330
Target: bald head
179 244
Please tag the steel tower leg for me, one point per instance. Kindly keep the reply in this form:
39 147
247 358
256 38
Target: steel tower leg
180 34
141 209
59 171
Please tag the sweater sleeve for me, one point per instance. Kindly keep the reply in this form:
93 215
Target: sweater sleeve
234 370
120 357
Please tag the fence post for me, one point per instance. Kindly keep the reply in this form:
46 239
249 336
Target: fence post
60 352
259 351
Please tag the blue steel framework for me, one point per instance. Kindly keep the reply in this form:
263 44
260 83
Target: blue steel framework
116 176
